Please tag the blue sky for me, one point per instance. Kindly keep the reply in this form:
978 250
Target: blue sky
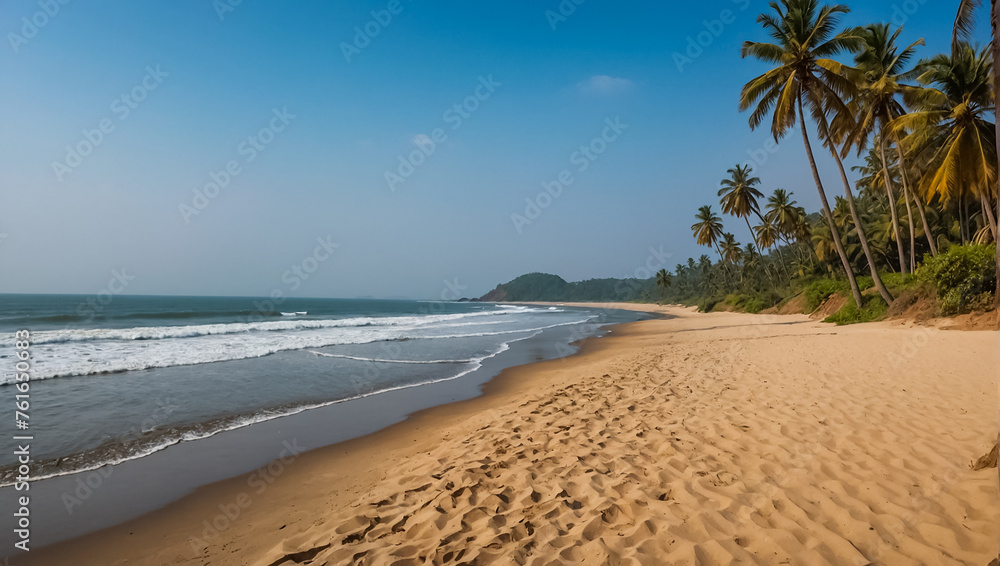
186 90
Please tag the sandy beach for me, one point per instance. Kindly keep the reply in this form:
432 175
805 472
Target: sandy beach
697 439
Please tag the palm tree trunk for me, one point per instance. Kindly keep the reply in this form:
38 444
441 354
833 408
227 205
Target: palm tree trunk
892 207
963 218
726 275
886 296
855 290
913 233
753 236
984 201
777 247
919 204
994 23
912 230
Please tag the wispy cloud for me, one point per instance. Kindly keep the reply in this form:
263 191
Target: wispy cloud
605 84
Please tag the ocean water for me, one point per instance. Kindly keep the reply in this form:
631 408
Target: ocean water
119 381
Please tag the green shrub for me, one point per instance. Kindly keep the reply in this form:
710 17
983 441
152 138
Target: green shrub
755 305
892 281
706 304
874 309
964 277
736 300
866 282
821 289
898 281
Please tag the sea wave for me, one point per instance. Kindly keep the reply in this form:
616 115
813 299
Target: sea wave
166 332
78 359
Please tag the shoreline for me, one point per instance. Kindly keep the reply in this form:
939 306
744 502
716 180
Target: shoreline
321 485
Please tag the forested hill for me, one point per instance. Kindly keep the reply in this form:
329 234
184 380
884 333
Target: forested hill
545 287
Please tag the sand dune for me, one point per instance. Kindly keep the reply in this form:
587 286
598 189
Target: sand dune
702 439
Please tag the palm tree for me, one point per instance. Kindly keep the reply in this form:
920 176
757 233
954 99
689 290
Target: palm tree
838 133
739 194
823 245
730 249
782 211
882 64
708 229
962 31
663 281
766 234
950 132
803 74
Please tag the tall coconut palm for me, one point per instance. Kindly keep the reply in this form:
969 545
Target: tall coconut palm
739 194
873 180
882 69
832 134
962 31
950 131
803 74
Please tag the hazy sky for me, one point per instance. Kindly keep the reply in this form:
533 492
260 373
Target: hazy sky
300 109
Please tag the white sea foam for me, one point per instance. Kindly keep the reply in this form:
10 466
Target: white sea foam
162 332
102 356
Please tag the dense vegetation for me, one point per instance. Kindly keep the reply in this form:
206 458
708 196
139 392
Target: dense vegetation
921 216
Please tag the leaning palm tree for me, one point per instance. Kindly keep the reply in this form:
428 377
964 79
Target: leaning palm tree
803 74
832 134
882 69
951 133
962 31
739 194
